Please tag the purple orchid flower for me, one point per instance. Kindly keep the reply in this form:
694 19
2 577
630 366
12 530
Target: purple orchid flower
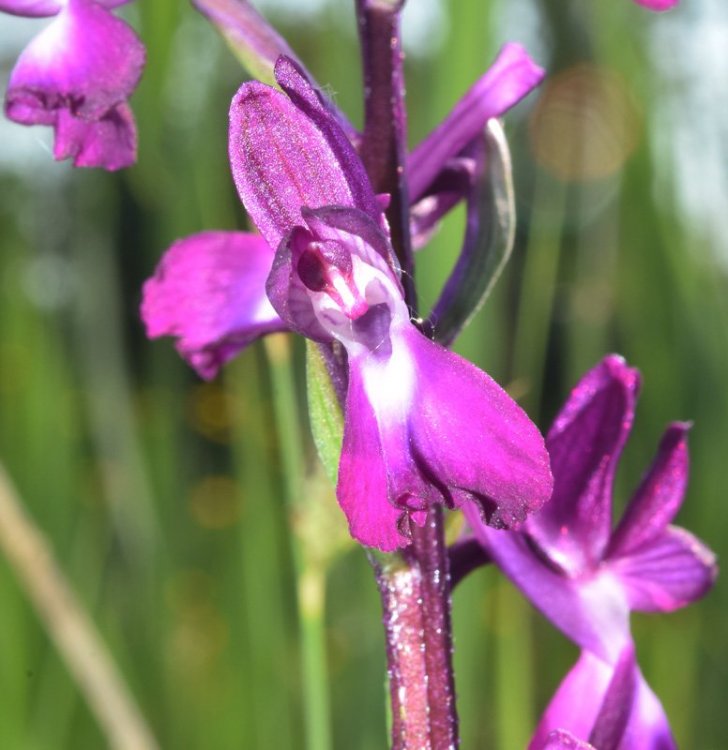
77 76
179 302
410 403
585 577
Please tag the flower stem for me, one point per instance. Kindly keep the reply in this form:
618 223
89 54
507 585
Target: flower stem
310 572
415 593
384 142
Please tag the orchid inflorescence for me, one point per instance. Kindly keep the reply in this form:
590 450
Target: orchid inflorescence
423 428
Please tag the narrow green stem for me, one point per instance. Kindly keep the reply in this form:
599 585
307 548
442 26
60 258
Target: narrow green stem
310 571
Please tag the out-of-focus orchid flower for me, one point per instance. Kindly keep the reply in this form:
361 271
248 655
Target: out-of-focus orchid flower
410 404
586 577
609 704
658 4
77 76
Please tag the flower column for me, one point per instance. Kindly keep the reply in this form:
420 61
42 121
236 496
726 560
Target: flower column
416 592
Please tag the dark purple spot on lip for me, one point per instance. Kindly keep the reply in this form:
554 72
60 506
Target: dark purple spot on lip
311 270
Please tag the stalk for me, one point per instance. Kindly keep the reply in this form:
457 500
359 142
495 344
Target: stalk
414 587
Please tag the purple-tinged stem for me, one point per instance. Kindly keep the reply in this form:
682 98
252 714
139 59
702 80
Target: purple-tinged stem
384 142
416 603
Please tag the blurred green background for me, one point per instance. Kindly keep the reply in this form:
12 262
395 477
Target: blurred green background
165 499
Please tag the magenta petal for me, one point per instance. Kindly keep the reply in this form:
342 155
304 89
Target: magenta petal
86 61
31 8
45 8
362 488
648 728
585 443
595 700
109 142
658 4
667 572
209 291
576 704
474 438
512 76
283 159
659 495
592 610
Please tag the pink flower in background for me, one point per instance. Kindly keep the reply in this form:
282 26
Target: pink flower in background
76 76
658 4
587 577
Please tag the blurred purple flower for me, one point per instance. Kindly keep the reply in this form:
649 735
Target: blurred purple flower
76 75
410 403
658 4
583 576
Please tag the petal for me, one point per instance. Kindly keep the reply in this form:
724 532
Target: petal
86 61
611 704
658 4
31 8
511 77
362 488
648 728
585 443
659 495
578 699
354 229
209 291
285 156
667 572
592 611
110 142
473 437
287 293
452 185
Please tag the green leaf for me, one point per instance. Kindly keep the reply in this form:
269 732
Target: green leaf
326 417
488 242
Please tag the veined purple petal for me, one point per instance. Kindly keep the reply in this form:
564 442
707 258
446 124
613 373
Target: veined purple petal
362 488
591 610
86 61
666 572
283 159
474 439
659 495
585 443
44 8
109 142
658 4
209 291
511 77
